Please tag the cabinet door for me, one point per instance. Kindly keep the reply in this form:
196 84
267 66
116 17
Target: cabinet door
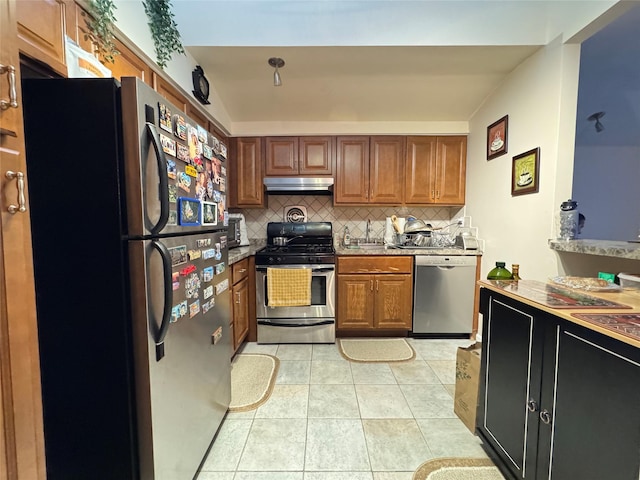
511 373
355 301
22 443
593 403
420 170
393 301
240 312
248 172
76 26
451 174
352 175
197 115
41 31
128 64
386 170
169 92
281 156
315 155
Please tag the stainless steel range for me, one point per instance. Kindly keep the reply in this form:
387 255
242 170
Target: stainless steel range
298 246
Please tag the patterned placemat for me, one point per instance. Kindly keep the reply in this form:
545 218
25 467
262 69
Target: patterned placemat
627 324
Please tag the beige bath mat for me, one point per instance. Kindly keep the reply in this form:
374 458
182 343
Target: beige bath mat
376 349
458 469
252 378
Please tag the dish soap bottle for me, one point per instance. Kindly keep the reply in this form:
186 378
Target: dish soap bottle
515 271
346 237
499 272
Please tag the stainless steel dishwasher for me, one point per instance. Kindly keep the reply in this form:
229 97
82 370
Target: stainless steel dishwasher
443 294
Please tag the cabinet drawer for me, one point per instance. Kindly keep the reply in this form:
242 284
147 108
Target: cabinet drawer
373 264
240 270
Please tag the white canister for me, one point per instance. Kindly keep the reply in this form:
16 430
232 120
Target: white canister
401 222
389 232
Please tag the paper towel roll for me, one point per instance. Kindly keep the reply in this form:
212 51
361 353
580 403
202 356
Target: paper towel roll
401 223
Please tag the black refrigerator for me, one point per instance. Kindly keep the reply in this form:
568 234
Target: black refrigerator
127 197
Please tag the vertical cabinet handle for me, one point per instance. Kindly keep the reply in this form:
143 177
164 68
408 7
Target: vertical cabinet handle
433 194
532 405
437 193
377 285
238 299
371 285
545 416
22 203
10 70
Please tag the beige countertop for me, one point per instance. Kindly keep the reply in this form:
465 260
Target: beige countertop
529 292
383 250
606 248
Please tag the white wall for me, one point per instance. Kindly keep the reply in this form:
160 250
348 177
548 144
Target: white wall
540 97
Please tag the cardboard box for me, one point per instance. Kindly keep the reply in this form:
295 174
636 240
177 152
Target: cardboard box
467 381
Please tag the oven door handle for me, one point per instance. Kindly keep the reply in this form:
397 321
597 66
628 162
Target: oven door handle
313 270
315 324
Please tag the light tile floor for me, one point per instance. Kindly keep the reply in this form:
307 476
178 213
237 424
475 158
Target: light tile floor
331 419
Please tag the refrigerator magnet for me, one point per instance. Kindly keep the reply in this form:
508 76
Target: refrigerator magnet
198 163
209 253
173 218
168 145
206 151
217 335
165 117
203 242
173 193
207 274
182 153
220 267
192 285
172 172
194 309
189 212
194 254
223 170
218 254
209 188
175 280
191 171
223 241
202 134
216 146
206 306
223 151
178 255
223 184
181 127
192 141
208 292
222 286
209 213
184 181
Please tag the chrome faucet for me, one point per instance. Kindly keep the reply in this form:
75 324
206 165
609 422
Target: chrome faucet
367 236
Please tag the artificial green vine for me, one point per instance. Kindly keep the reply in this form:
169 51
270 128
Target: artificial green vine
164 30
100 28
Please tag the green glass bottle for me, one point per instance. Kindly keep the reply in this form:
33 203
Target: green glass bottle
499 273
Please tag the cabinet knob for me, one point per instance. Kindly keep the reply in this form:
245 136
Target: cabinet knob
545 416
532 405
242 270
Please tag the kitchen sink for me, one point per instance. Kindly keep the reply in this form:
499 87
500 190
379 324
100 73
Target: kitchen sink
363 243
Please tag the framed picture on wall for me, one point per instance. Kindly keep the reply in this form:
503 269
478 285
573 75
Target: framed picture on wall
497 138
525 172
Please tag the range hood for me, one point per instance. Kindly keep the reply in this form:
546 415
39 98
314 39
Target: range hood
299 185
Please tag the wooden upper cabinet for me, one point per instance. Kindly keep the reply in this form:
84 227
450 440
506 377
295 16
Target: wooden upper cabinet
435 170
451 172
369 170
316 155
386 173
281 156
198 116
352 170
128 64
420 168
41 31
169 92
247 172
76 26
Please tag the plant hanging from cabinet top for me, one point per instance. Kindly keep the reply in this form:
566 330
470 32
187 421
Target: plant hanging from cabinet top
164 31
100 28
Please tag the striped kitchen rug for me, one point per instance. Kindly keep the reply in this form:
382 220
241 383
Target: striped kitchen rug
458 469
376 349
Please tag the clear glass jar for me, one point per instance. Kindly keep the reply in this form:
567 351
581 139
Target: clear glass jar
569 218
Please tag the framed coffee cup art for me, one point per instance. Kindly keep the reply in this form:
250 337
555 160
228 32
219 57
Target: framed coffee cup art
497 138
525 172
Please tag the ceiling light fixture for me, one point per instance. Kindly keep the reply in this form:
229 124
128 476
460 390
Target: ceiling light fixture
596 118
276 63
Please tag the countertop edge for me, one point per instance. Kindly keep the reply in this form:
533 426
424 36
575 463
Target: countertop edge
606 248
622 297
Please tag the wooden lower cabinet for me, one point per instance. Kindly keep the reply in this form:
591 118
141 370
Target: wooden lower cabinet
374 292
557 400
240 302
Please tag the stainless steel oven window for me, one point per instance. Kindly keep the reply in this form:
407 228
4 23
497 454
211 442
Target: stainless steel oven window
322 295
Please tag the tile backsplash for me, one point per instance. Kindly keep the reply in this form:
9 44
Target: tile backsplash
320 209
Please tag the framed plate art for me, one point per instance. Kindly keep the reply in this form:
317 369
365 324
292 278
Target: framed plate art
525 172
497 138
